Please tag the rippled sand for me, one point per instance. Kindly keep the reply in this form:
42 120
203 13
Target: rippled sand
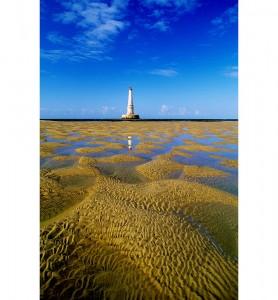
140 223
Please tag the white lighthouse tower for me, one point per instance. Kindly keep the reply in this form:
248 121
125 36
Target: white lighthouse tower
130 115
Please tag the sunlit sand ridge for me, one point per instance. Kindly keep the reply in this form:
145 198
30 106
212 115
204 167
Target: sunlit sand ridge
163 237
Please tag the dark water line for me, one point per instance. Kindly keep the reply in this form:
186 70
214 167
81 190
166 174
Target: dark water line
140 120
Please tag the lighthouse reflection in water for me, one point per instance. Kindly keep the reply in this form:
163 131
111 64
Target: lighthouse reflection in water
129 142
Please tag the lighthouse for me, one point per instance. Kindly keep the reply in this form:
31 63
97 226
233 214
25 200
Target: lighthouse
130 115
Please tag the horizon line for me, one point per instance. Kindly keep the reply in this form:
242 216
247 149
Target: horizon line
138 120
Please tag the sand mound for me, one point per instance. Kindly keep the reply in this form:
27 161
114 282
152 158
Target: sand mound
106 146
85 150
159 169
193 147
54 196
171 155
198 171
64 157
114 146
76 171
145 241
63 187
119 158
76 138
132 234
231 163
87 162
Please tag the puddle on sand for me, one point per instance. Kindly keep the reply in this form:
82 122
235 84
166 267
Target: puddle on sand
165 144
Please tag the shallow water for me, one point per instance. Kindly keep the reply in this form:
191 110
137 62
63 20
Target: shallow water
199 158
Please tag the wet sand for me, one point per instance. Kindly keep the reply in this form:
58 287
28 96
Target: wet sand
154 219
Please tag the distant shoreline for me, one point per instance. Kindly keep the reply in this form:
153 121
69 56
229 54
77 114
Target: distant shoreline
139 120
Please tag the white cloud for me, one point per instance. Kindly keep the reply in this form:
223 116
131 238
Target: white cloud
98 23
173 111
164 72
105 31
56 38
160 25
187 5
163 12
66 17
222 23
55 54
164 109
72 55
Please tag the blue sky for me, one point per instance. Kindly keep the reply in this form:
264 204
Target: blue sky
180 57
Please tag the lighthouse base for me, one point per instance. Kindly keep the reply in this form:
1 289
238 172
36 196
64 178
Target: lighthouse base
130 117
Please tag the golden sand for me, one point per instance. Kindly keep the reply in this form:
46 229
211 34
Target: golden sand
87 162
75 138
217 156
198 171
146 240
74 171
231 163
172 154
159 169
105 238
119 158
85 150
147 146
64 157
104 147
227 141
193 147
54 196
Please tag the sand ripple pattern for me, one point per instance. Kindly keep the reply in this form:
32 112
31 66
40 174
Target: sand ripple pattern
143 241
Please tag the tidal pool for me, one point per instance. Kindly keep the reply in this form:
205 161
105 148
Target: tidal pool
104 146
135 210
